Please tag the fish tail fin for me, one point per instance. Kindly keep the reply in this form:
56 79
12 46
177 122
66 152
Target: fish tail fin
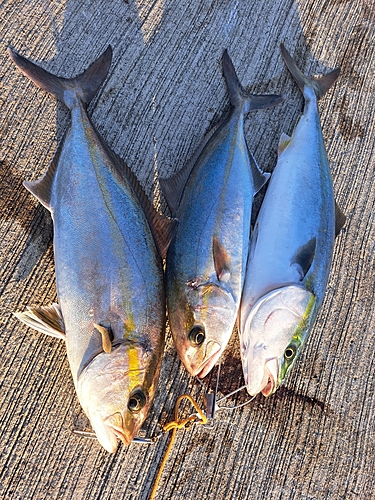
319 85
84 86
238 96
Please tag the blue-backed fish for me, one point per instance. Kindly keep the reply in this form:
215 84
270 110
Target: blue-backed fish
108 246
291 247
212 199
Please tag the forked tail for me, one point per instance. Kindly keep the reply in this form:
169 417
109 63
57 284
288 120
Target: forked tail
84 86
239 96
319 85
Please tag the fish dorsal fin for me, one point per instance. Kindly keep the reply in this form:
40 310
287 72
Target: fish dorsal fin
259 177
45 319
319 85
107 337
283 143
340 219
173 187
162 228
304 256
42 187
221 260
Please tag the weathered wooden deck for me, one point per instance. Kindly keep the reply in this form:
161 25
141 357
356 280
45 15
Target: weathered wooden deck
313 439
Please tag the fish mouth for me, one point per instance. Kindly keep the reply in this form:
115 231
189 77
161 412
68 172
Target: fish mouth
209 363
269 382
115 425
270 379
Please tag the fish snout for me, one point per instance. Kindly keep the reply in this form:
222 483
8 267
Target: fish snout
199 360
115 426
261 376
212 354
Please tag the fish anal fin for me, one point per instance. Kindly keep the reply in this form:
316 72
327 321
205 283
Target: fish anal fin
259 177
304 256
221 260
107 337
283 143
340 219
42 188
45 319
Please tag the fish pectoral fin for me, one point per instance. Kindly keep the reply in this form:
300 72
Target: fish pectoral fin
221 260
45 319
283 143
107 337
340 219
304 257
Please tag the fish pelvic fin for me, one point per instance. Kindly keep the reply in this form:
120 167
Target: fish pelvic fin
238 96
319 85
84 86
45 319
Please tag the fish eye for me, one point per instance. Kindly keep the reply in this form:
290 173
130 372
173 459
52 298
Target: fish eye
137 401
197 335
289 352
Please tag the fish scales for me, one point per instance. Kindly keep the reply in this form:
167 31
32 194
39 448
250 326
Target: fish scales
291 248
207 258
97 267
109 275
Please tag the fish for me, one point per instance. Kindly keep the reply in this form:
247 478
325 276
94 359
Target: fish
291 247
108 247
211 197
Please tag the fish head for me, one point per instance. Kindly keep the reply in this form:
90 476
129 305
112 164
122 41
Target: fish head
116 391
273 335
201 325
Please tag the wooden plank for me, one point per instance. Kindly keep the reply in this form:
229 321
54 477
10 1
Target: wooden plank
314 438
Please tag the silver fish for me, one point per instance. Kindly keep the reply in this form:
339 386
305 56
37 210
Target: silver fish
109 274
291 247
212 198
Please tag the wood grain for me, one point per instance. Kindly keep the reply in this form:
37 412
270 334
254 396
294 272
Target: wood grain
313 439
